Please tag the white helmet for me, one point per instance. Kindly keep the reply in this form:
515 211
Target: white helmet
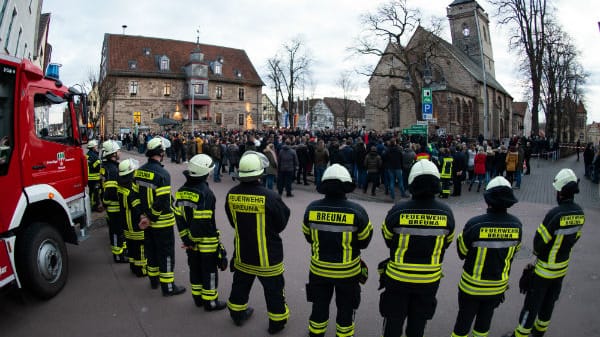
158 142
498 182
563 177
423 167
252 165
200 165
92 144
127 166
109 147
337 171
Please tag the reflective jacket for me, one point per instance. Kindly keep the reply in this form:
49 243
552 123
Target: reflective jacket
258 215
129 209
417 233
555 237
337 230
488 244
110 172
155 193
446 171
195 215
94 165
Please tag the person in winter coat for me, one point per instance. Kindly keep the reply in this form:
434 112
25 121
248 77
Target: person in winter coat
500 161
271 170
479 168
321 160
512 157
373 163
302 153
459 167
288 163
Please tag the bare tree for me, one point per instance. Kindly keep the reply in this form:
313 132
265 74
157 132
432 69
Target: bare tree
387 34
347 85
296 65
275 76
529 19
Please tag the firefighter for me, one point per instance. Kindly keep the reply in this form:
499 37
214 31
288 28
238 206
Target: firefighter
417 233
130 211
337 230
195 215
154 183
110 198
258 216
446 172
94 165
488 245
552 244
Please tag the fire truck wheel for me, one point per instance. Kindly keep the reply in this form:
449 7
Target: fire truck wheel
42 260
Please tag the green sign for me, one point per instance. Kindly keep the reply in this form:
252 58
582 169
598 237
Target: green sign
426 95
419 127
414 131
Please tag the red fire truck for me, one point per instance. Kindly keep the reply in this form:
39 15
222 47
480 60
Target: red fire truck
43 175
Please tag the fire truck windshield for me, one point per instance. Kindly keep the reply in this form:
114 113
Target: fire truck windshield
52 120
7 94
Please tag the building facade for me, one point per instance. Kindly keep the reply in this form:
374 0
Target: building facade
466 98
203 87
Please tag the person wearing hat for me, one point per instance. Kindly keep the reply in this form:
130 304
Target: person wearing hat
129 212
258 216
417 233
110 199
337 229
488 245
94 165
552 245
195 215
158 218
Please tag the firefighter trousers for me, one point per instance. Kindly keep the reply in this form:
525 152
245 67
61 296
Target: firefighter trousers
204 278
478 308
412 303
446 187
95 194
116 236
274 293
159 245
319 291
137 256
539 304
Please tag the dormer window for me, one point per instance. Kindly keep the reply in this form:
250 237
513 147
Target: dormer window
132 65
218 68
238 74
164 63
146 51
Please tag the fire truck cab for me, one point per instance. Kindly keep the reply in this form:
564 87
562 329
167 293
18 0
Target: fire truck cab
43 175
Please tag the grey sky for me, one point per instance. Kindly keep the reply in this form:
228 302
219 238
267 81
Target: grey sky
328 28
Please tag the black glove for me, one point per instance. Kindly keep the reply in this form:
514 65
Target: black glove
526 278
221 257
381 271
364 273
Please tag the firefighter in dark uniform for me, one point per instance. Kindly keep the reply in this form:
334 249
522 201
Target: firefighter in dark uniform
258 216
154 183
195 215
94 165
552 244
417 233
445 171
110 198
129 212
337 230
488 245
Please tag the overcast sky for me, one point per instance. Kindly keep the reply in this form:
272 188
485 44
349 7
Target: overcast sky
328 27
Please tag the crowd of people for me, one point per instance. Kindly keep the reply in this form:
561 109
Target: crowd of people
142 216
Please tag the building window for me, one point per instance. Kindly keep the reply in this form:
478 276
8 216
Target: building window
218 118
164 63
146 51
132 65
12 20
198 88
133 88
219 92
241 118
167 89
241 94
218 68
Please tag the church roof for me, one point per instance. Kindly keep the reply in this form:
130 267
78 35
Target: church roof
459 2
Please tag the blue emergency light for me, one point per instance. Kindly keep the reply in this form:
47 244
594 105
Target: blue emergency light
52 70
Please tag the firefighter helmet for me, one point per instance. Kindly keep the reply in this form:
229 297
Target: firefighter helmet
423 167
336 179
563 178
109 147
200 165
499 193
127 166
252 165
156 146
92 144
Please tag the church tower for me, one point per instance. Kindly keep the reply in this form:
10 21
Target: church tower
469 26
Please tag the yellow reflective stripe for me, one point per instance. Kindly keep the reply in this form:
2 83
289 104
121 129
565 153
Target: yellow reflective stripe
554 249
237 307
305 229
134 235
196 289
168 277
261 239
402 247
279 317
455 335
509 256
415 267
317 328
209 294
541 325
344 331
273 270
480 291
479 262
461 245
314 235
163 190
364 234
480 334
437 250
184 232
412 277
387 234
203 214
93 176
484 283
346 247
520 331
450 238
546 236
